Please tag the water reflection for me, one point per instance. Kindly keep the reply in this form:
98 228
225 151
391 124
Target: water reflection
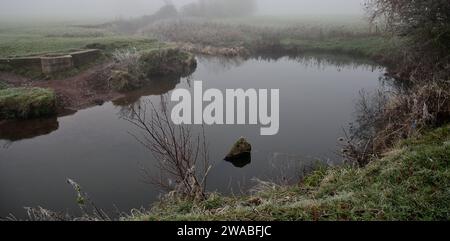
240 161
11 131
316 60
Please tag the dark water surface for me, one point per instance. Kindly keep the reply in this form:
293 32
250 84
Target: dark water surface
95 148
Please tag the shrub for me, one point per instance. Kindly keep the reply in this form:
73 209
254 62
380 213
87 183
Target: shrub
133 67
167 62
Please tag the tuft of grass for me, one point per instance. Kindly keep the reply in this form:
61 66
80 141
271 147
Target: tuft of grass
410 183
23 103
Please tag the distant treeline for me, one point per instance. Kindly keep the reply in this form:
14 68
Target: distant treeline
220 8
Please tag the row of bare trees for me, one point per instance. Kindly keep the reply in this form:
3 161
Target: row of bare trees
220 8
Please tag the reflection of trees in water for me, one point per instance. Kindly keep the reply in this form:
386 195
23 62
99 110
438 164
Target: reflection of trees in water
320 61
12 131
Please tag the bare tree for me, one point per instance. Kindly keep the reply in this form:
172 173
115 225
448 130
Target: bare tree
181 156
426 26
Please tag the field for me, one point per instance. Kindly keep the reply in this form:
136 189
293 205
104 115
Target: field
25 40
309 32
345 22
331 34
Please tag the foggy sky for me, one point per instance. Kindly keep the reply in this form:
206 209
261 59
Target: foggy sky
73 9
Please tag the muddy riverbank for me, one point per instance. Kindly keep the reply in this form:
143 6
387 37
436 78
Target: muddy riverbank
108 80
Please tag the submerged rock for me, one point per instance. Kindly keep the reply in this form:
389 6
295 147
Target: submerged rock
240 153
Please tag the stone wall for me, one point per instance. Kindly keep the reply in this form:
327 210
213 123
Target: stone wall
81 58
30 63
56 64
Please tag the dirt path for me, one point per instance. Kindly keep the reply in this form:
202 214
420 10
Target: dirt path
87 88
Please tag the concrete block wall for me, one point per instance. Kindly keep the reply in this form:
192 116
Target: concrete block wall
56 64
31 63
84 57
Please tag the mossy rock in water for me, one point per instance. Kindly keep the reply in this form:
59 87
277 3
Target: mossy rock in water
25 103
242 148
173 62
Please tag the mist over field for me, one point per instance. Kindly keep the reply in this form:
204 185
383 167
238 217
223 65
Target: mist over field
16 10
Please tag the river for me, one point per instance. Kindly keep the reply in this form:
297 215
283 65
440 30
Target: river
96 148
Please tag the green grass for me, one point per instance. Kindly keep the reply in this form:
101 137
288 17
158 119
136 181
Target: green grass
23 103
410 183
26 41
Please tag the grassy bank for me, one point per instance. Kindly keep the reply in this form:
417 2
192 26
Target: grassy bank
291 37
25 103
331 34
374 47
411 182
353 23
